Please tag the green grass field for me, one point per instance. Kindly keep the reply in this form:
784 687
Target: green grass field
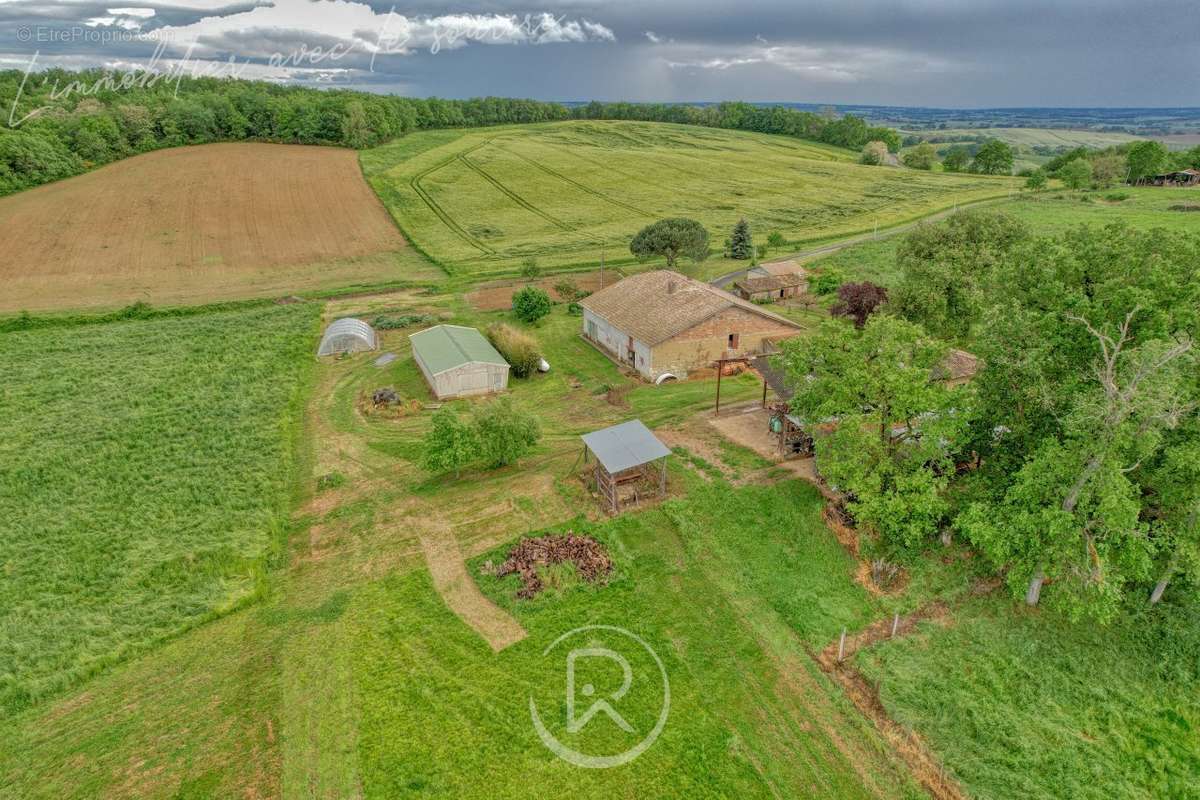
1047 214
144 482
749 717
1029 705
482 202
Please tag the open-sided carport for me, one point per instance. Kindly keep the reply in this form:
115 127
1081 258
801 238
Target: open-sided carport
626 455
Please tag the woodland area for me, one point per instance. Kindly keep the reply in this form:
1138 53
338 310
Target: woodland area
1072 462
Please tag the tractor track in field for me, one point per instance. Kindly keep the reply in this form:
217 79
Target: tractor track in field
577 184
511 195
636 178
415 184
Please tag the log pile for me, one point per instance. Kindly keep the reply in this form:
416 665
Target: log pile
589 557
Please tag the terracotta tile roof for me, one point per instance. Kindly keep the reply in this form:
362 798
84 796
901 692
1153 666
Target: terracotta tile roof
654 306
771 283
788 267
957 364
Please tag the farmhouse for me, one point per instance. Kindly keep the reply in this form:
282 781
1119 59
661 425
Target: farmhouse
664 324
458 361
771 287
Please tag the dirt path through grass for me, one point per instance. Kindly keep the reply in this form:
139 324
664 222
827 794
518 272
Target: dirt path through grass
925 765
459 591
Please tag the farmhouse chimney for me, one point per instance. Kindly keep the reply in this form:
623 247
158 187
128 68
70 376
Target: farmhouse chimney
671 286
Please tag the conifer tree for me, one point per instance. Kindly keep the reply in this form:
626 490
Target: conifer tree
741 245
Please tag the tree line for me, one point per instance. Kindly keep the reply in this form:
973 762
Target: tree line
1128 162
1071 463
89 118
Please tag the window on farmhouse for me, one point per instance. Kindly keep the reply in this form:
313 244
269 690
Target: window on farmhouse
733 341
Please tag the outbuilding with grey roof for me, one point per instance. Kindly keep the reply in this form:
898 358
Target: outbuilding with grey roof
631 463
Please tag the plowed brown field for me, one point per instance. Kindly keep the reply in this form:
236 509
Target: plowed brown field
195 224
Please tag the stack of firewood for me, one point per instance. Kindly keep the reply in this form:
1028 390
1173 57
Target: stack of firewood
589 557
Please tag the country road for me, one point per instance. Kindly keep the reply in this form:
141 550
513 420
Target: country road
832 247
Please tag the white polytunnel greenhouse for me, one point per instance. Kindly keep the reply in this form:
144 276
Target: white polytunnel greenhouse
347 335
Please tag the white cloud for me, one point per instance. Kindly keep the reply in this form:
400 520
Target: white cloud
261 31
128 19
654 37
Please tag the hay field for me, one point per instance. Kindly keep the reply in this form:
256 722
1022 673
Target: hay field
145 470
484 202
196 224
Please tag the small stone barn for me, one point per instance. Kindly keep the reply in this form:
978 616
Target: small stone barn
458 361
631 463
347 335
664 324
770 288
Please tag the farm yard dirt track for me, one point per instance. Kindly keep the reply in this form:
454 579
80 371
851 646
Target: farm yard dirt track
197 224
497 295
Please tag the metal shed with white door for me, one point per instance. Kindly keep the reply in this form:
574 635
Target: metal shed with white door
458 362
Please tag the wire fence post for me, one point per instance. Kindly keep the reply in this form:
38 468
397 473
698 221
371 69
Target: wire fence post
842 646
895 624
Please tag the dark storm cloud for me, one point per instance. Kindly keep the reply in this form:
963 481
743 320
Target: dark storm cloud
927 52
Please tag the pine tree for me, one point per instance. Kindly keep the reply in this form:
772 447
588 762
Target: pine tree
741 246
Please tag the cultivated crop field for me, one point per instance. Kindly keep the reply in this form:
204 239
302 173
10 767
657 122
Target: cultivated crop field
483 202
197 224
143 482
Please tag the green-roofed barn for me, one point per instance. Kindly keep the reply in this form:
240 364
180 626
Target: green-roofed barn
458 361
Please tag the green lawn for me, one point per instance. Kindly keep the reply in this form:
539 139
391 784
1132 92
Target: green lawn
1023 704
144 480
750 715
482 202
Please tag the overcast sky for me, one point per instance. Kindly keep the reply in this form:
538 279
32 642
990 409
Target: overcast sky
949 53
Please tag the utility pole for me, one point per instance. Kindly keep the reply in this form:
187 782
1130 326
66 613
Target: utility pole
720 369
